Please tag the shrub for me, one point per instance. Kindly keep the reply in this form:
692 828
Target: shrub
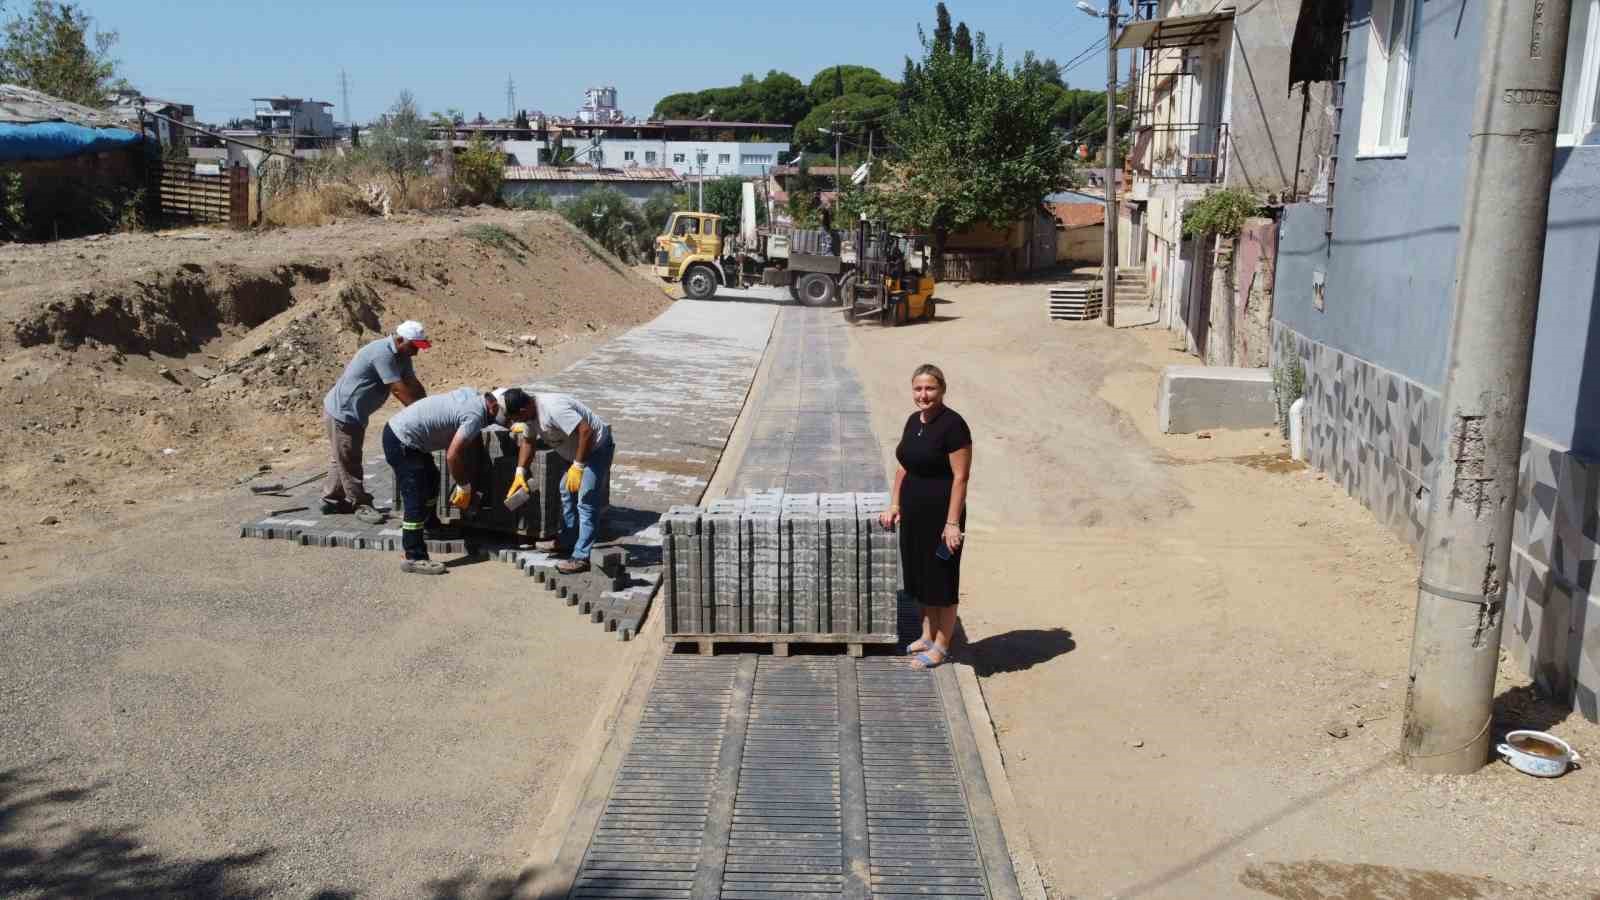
479 171
1220 212
612 220
533 201
498 238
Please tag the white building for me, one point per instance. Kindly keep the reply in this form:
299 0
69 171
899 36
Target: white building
690 148
599 105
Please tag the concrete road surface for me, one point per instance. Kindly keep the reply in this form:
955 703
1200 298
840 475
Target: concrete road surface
186 713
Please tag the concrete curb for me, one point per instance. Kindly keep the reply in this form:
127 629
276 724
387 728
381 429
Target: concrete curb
1029 881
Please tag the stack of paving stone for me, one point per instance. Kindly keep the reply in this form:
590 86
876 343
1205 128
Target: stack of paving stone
539 518
819 567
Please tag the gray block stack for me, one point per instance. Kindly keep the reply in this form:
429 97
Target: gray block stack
680 544
493 471
773 564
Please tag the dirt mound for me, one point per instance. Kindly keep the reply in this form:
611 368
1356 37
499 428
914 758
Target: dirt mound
173 311
190 365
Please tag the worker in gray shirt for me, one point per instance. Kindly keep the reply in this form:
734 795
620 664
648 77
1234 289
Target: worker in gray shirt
380 370
583 439
449 422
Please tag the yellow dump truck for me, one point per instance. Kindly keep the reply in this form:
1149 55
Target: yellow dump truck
874 272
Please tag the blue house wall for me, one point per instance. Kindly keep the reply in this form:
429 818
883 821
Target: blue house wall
1374 353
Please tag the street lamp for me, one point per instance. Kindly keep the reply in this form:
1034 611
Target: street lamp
1109 257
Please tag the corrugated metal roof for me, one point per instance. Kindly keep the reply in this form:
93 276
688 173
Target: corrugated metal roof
699 123
1078 215
560 173
26 106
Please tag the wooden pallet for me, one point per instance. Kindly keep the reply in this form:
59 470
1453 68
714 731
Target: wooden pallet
1076 303
855 644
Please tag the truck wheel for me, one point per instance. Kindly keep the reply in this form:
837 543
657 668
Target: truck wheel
700 283
817 289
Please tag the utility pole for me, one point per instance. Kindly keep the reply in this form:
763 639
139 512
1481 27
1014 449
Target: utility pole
1499 262
1109 294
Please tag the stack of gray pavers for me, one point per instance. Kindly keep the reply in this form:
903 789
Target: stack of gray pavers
539 518
771 564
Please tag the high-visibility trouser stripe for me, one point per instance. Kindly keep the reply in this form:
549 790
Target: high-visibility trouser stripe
412 526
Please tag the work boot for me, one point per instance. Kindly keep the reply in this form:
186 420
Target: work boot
573 566
367 514
422 567
337 508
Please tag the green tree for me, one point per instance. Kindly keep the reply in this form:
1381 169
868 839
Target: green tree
863 80
605 214
479 171
660 206
963 42
49 49
399 142
783 98
942 36
979 143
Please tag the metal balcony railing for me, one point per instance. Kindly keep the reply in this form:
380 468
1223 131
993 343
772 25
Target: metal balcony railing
1189 152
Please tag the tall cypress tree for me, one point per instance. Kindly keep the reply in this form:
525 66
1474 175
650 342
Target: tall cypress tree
941 30
963 42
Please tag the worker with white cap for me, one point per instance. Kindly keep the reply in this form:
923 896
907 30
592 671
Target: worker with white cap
379 370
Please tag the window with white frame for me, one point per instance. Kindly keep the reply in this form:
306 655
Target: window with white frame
755 159
1580 86
649 156
1392 36
678 157
627 155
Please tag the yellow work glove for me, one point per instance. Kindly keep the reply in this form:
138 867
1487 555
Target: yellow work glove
575 478
519 483
461 497
519 430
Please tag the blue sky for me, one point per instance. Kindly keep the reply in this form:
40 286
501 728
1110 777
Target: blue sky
217 54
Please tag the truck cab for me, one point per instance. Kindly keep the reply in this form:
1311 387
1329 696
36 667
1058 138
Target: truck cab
690 237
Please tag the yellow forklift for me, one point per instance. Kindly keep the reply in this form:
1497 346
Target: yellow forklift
891 282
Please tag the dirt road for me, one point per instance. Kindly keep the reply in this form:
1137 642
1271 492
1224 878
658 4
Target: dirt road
189 714
1167 629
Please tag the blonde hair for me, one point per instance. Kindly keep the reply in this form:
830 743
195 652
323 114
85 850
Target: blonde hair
930 369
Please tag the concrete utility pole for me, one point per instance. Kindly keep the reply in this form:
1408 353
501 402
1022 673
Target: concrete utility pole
1466 553
1110 254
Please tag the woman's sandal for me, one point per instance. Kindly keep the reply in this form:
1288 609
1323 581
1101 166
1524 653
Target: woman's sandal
925 660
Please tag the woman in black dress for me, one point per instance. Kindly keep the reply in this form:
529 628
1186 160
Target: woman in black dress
930 505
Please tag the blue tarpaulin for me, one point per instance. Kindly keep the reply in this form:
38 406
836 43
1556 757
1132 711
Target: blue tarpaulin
58 140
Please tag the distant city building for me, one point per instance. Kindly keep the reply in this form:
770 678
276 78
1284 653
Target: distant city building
599 105
689 147
293 116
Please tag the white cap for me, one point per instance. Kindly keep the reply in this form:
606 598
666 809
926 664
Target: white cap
413 331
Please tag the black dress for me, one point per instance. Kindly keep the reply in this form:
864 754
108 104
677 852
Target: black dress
924 453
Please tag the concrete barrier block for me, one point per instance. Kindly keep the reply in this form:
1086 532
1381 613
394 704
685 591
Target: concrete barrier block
1192 398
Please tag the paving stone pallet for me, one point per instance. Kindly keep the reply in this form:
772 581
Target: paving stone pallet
762 778
782 568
